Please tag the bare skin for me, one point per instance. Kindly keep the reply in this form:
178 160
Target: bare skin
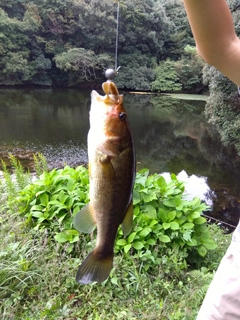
217 43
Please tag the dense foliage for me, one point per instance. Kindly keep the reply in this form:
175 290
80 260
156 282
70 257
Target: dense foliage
150 278
163 219
60 42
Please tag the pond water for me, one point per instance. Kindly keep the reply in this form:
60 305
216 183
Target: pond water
170 135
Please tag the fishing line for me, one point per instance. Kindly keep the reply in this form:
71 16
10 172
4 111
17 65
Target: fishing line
110 73
116 48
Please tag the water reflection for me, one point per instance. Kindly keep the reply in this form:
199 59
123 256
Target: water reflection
170 135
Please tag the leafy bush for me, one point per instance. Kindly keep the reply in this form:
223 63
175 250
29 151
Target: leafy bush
51 201
135 78
167 78
189 69
162 217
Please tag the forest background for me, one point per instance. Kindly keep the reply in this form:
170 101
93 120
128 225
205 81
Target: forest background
69 43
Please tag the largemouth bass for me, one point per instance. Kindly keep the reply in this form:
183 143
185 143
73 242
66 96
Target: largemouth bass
112 172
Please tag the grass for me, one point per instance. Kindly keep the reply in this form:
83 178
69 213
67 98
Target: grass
37 281
37 276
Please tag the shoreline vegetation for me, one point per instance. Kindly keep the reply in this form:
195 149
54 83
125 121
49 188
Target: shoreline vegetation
69 45
169 258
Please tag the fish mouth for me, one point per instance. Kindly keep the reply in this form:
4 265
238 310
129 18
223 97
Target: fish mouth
111 94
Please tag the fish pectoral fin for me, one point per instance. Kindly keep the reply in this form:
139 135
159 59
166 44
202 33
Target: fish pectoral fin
128 219
94 268
84 220
104 159
107 168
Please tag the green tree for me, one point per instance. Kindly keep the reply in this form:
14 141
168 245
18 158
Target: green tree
167 78
82 63
190 70
180 33
41 38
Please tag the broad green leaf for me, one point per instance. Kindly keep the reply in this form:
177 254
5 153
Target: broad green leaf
200 220
196 201
151 241
37 214
202 251
173 176
188 225
141 177
70 185
72 232
149 181
163 215
62 237
114 281
178 201
187 235
121 242
145 232
62 197
192 242
171 215
62 216
37 208
174 225
166 225
169 203
44 199
150 211
153 222
136 210
164 238
209 244
127 247
137 245
149 196
131 237
136 197
161 182
195 214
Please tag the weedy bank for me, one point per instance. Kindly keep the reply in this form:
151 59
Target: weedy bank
161 270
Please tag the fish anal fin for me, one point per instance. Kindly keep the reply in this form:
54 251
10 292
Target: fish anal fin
84 220
94 269
128 219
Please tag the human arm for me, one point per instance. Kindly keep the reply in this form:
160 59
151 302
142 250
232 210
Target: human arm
217 43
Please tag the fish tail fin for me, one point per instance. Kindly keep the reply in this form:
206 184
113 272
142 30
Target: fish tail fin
94 268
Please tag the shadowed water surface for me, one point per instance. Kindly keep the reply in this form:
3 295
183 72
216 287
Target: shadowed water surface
170 135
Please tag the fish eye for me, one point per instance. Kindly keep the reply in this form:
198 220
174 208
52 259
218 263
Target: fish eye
122 116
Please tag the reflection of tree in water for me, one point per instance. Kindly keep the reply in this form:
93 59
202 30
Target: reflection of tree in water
161 148
41 97
169 139
223 175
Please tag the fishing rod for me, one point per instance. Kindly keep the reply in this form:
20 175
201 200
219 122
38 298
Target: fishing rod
111 73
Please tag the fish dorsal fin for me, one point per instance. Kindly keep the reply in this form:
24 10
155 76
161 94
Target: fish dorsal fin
84 220
128 219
